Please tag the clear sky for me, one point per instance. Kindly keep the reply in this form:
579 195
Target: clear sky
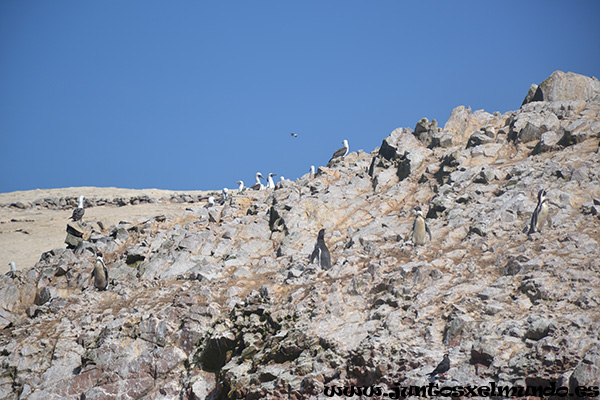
192 95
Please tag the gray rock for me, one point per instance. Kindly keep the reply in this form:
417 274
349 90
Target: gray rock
567 86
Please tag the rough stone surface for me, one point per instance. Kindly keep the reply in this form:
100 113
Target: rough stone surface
227 305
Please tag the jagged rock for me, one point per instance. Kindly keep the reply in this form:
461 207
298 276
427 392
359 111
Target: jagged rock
548 142
529 126
566 86
462 123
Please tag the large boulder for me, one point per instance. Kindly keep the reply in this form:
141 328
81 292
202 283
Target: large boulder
562 86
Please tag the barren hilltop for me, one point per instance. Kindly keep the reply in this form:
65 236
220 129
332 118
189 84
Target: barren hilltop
222 302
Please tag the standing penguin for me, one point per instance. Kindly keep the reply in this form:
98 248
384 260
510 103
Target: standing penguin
420 228
321 252
540 214
100 273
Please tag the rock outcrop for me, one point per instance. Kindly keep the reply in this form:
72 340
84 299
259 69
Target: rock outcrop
223 303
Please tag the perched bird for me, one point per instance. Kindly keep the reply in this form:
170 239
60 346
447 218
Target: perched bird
79 211
321 252
312 171
100 273
210 202
540 214
258 185
442 367
341 152
281 178
241 186
13 270
224 193
420 228
294 134
270 183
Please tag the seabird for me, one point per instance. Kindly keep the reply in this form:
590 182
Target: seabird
13 270
241 187
321 252
281 178
341 152
270 183
224 195
442 367
420 228
312 171
294 134
540 214
211 202
258 185
100 273
79 211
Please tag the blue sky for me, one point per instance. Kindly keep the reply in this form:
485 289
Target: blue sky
192 95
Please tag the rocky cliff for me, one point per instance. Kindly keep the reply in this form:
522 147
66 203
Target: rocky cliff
222 302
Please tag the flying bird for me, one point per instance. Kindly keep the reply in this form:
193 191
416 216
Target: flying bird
293 134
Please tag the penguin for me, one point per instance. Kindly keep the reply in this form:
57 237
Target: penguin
100 273
442 367
540 214
321 252
79 211
420 228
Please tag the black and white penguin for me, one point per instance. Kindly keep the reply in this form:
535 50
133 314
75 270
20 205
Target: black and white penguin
540 214
79 211
100 273
420 228
321 252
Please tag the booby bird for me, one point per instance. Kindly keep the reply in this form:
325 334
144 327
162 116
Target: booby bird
241 187
294 134
442 367
420 228
281 178
210 202
321 252
79 211
224 193
270 183
341 152
100 273
258 185
312 171
540 214
13 270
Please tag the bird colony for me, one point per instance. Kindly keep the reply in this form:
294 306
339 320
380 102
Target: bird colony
460 255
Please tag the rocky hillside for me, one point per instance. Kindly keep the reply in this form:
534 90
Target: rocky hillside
222 302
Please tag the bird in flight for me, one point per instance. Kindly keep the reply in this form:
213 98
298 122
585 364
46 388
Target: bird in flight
293 134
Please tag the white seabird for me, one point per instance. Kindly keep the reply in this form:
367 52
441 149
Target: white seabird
258 185
281 178
224 193
270 183
79 211
241 187
13 266
210 202
312 171
341 152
